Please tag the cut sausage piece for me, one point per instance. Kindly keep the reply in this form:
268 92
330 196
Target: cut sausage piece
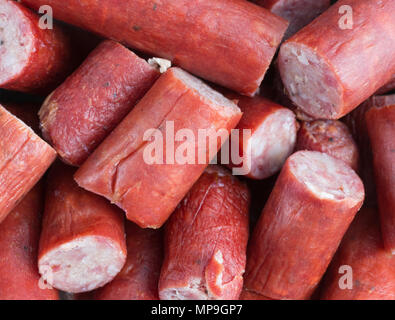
227 42
273 130
31 59
80 113
381 128
24 158
138 280
138 169
206 240
331 137
356 119
281 97
321 64
19 235
82 245
299 13
309 210
357 124
364 263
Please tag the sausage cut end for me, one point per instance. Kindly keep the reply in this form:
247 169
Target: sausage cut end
326 177
310 81
83 264
272 143
15 43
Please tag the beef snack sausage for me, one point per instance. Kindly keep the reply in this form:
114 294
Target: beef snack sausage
138 280
273 137
310 208
299 13
24 158
206 240
121 168
19 236
82 244
381 128
361 262
32 59
229 42
80 113
329 136
355 120
321 64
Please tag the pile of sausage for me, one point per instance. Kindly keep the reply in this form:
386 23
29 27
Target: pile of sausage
83 212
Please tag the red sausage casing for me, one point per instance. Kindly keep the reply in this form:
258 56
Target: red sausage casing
82 244
80 113
299 13
372 268
309 210
19 236
321 64
138 280
149 189
329 136
273 131
381 128
229 42
24 157
31 59
206 240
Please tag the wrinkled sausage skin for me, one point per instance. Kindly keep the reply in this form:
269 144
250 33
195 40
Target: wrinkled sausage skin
206 240
309 210
149 191
79 114
228 42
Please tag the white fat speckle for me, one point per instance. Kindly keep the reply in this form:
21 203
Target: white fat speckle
161 64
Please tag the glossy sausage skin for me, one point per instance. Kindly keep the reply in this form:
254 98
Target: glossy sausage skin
80 113
82 244
299 13
206 240
381 128
229 42
148 189
24 158
138 280
273 131
19 236
32 59
329 136
321 64
372 266
309 210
